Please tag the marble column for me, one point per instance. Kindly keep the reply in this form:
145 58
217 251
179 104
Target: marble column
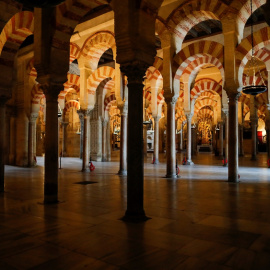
194 139
226 115
221 140
156 140
104 140
64 139
181 140
189 138
233 138
3 101
170 138
32 139
85 149
135 161
123 144
81 117
254 121
51 92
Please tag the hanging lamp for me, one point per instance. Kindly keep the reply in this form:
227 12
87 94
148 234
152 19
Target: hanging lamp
253 89
40 3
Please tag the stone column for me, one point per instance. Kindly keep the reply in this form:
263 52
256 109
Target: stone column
170 138
156 140
194 139
104 140
81 117
85 149
189 138
254 137
64 139
109 144
267 127
226 114
32 139
233 138
221 140
51 92
3 101
135 161
241 140
123 144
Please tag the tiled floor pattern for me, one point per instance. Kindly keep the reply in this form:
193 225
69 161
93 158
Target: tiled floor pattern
198 221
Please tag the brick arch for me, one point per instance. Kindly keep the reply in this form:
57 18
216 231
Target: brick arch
17 29
98 76
205 85
73 81
244 13
204 102
108 100
74 52
31 71
72 104
262 98
243 50
36 94
154 76
208 94
205 112
107 85
158 64
95 46
248 80
245 110
190 13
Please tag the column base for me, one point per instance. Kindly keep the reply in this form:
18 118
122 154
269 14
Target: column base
220 157
233 181
122 172
189 162
155 162
134 217
50 199
253 158
171 176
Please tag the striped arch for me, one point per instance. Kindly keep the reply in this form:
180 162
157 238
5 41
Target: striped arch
95 46
147 94
205 85
72 104
189 14
194 51
249 80
243 51
97 77
204 102
263 54
205 112
108 100
73 81
158 64
244 13
36 94
31 71
262 98
154 76
108 86
208 94
262 111
18 28
74 52
160 98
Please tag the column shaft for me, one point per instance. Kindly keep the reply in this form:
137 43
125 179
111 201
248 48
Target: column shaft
221 140
156 141
64 139
32 140
233 139
254 138
51 146
109 144
104 140
170 140
226 135
189 138
123 145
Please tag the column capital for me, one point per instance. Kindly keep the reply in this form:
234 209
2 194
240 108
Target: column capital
83 113
169 96
135 71
226 112
233 96
189 116
52 90
33 117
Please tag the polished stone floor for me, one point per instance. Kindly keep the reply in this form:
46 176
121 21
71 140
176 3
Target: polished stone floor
198 221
